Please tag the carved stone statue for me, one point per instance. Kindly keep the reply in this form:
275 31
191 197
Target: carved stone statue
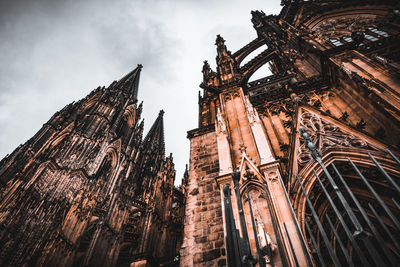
221 126
263 236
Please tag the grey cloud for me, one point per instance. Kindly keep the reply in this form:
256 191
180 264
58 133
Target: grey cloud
54 52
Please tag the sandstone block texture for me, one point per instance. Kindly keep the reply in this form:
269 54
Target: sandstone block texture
203 243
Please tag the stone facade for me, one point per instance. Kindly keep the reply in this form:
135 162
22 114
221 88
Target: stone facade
334 74
87 190
298 168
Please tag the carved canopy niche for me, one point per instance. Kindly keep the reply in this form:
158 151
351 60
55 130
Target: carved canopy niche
328 134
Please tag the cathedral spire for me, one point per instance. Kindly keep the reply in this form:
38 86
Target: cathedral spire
130 82
154 140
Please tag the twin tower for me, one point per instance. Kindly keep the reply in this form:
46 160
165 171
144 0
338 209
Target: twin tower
298 168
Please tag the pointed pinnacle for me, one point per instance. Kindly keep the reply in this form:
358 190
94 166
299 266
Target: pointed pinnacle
219 40
186 170
155 136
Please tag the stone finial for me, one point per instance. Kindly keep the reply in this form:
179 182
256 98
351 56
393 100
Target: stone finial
242 148
256 17
219 40
206 70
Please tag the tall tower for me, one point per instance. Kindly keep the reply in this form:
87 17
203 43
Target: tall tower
86 190
292 169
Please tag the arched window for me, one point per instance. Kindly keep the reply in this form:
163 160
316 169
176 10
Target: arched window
105 169
260 218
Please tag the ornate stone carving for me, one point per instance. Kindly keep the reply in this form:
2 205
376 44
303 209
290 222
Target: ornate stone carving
263 236
325 135
345 25
251 111
235 94
220 122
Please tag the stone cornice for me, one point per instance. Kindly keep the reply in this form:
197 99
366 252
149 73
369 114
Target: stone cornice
268 166
200 131
224 179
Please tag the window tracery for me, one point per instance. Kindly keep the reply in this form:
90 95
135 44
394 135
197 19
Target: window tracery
335 42
379 32
338 31
347 39
370 38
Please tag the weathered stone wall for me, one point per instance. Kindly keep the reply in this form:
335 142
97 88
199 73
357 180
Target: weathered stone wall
203 243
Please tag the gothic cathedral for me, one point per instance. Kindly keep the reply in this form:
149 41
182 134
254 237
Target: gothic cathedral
297 168
300 167
86 190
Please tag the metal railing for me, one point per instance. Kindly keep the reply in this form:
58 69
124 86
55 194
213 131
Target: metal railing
354 232
367 241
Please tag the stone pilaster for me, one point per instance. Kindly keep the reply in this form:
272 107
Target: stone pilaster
224 153
259 136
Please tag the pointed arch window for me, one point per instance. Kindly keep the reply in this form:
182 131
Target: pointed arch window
105 169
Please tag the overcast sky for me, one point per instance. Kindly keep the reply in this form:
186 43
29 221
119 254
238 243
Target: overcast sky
55 52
